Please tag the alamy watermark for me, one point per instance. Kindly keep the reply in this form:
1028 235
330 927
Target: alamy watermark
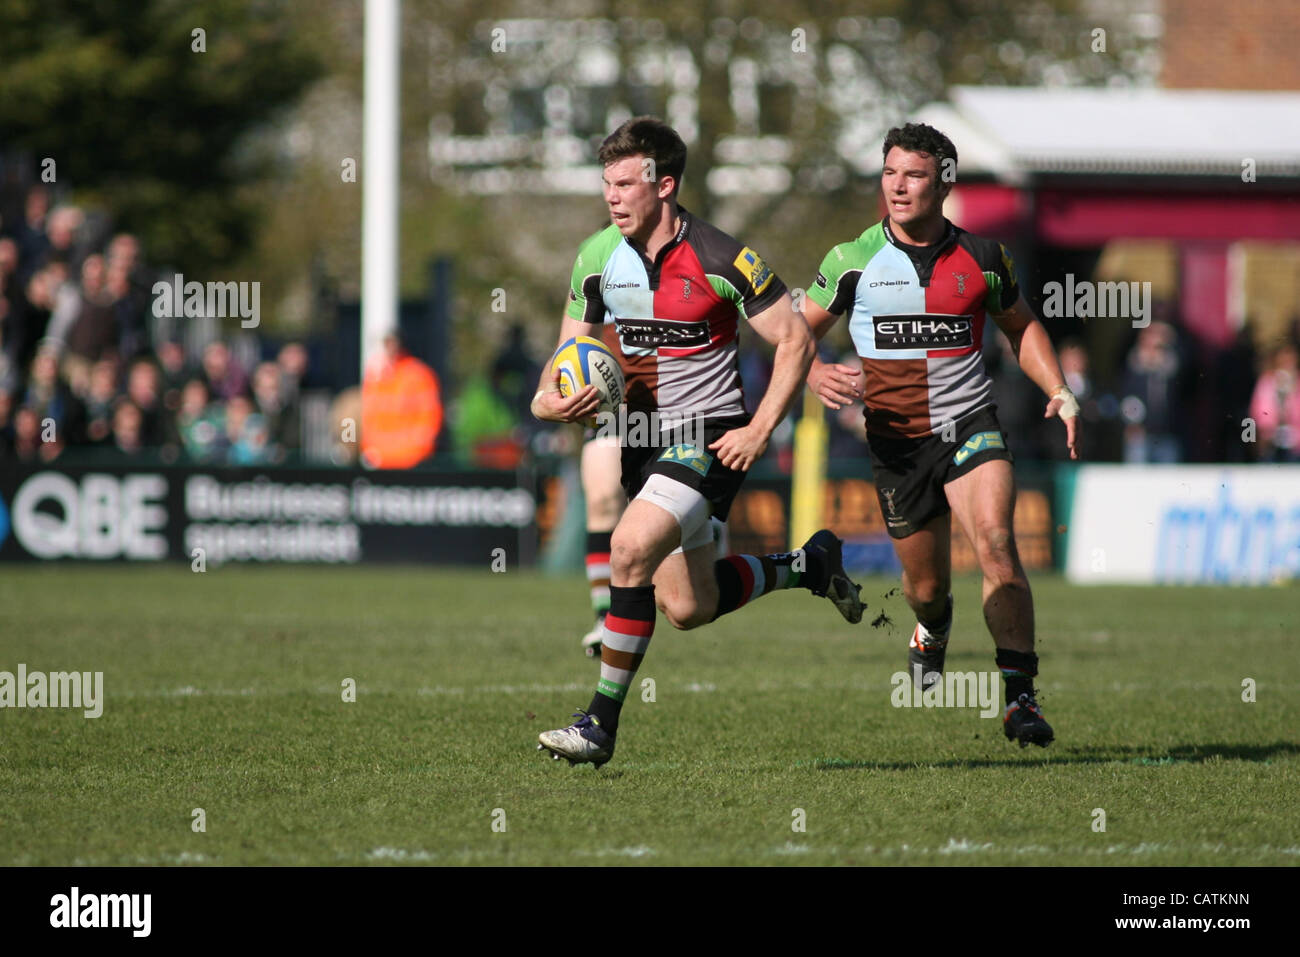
636 429
75 909
57 689
954 689
1098 300
179 299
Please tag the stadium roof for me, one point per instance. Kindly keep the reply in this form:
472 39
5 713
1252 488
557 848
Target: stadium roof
1014 132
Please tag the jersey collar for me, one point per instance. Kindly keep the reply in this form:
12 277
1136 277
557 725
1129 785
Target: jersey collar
923 257
682 230
949 234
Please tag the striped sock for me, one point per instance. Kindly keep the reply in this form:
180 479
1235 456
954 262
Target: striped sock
1019 669
742 578
628 627
598 570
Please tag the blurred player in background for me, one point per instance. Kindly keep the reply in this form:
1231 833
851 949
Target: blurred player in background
917 290
675 288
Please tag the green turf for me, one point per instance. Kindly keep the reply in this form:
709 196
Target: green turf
223 692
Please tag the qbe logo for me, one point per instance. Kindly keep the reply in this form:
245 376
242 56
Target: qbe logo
100 516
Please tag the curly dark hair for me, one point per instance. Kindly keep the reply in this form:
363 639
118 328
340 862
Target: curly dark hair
920 138
647 136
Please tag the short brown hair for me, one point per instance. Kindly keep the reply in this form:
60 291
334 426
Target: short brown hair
647 136
920 138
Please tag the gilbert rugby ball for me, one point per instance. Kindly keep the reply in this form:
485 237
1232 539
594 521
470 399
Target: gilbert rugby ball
583 361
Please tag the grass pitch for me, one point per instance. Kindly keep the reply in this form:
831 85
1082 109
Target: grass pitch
224 691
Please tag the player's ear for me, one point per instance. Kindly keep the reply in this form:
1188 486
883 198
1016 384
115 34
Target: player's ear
666 186
946 169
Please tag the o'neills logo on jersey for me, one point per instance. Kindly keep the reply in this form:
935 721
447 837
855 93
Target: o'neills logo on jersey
923 332
653 333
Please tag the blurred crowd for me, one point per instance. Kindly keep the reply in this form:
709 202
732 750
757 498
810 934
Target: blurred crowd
80 365
1165 400
84 365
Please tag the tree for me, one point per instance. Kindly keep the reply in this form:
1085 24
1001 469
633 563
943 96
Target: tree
146 106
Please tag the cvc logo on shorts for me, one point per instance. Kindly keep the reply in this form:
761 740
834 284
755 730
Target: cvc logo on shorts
692 456
978 443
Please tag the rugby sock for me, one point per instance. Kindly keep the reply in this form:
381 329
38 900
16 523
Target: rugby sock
935 632
628 627
742 578
1019 669
598 571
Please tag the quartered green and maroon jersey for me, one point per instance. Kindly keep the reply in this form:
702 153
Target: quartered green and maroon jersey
677 318
916 315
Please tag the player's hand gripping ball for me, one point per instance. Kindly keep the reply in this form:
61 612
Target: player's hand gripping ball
583 361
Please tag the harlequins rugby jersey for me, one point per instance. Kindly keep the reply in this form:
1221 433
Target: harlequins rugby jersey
916 315
677 317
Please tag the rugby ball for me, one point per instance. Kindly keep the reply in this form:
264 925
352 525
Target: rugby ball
583 361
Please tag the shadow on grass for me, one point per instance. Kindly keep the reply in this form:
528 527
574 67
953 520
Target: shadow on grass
1110 754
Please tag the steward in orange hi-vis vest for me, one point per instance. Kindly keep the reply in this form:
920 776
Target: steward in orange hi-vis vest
401 409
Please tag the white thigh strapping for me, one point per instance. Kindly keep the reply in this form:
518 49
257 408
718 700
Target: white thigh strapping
691 509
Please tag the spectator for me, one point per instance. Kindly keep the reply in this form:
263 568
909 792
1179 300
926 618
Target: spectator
401 408
175 371
200 422
6 424
44 289
128 423
128 307
1150 404
143 388
1275 406
29 444
246 434
13 307
32 240
63 227
294 368
482 425
281 416
49 398
1234 376
224 375
124 253
100 399
83 322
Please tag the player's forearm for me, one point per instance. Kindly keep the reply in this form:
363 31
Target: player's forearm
1038 358
794 357
819 320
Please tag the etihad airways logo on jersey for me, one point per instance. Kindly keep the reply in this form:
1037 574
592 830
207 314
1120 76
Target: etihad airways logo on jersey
923 332
653 333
